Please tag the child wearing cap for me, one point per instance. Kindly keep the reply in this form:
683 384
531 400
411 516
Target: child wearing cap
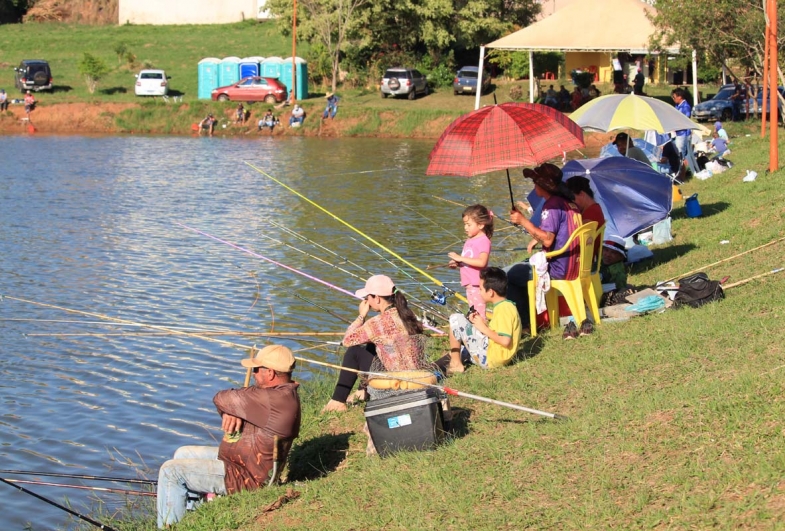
614 254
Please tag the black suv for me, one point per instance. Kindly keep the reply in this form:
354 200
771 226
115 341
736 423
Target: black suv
33 74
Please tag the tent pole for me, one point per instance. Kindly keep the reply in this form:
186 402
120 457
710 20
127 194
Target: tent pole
694 78
531 76
479 78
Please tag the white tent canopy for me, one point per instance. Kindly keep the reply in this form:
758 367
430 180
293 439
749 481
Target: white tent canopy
585 26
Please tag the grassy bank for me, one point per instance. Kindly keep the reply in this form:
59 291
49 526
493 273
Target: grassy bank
676 418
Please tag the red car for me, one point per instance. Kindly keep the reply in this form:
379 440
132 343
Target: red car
253 88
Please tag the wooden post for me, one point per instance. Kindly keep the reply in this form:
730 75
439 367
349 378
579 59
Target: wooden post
765 76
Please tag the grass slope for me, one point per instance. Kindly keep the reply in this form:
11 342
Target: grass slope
676 418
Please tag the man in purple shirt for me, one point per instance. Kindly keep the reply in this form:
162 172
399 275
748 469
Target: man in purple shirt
683 106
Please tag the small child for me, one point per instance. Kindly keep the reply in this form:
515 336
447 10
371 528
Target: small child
719 144
478 225
490 344
614 254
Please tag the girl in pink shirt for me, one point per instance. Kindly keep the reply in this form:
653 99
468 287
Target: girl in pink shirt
478 224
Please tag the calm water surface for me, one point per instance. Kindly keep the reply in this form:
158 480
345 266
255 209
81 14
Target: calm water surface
91 224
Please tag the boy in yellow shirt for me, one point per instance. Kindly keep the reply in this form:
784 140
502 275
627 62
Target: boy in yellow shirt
491 343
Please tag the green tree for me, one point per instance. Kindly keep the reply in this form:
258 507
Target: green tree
93 69
331 23
12 10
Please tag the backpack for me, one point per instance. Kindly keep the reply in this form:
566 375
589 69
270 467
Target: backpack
697 290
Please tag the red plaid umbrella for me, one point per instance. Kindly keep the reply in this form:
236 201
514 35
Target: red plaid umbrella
500 137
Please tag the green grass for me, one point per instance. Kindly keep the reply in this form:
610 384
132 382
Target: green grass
675 418
176 49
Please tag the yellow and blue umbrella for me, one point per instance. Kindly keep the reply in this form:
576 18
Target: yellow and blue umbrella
628 111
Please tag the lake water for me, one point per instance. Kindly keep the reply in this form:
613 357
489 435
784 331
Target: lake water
91 224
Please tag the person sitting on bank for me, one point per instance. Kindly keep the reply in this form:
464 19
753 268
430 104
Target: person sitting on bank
367 339
332 106
627 149
268 120
251 418
207 124
552 97
298 116
721 131
560 218
564 98
240 114
577 98
493 343
594 92
718 145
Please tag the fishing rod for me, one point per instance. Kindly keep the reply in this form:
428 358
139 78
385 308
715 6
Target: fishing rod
83 487
289 268
358 231
436 297
87 519
284 335
725 259
464 206
78 476
742 282
413 298
430 220
448 390
71 321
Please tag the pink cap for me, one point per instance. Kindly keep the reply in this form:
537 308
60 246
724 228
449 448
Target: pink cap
381 285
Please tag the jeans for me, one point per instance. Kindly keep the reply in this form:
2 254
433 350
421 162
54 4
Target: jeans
193 468
330 111
294 120
518 277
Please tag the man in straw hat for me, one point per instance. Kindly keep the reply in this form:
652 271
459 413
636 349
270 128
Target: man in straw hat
332 106
560 217
251 418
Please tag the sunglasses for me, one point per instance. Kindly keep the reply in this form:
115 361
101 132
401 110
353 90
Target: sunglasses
256 369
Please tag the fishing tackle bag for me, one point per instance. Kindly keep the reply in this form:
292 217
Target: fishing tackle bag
697 290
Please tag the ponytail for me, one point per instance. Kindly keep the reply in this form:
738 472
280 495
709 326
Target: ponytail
410 321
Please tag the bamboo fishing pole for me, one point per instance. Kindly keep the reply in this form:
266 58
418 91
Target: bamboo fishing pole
300 336
87 519
447 390
725 259
358 231
741 282
78 476
83 487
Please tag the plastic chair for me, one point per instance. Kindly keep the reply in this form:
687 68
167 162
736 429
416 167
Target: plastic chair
571 290
592 290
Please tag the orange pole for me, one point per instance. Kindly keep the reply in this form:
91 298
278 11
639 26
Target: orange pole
773 123
765 77
293 95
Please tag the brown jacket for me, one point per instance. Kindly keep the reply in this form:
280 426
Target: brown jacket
266 412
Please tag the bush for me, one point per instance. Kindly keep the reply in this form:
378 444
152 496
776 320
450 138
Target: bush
93 69
516 93
583 79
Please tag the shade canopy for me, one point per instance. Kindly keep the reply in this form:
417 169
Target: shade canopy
588 25
628 111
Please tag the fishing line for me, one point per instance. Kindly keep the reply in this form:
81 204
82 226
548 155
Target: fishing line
257 255
447 390
83 487
330 312
78 476
87 519
432 221
393 253
322 260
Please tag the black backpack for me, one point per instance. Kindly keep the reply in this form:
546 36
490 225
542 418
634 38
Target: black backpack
696 290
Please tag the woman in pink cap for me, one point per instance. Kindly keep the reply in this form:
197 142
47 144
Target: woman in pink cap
394 322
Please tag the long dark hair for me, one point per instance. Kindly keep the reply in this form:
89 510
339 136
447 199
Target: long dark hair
410 321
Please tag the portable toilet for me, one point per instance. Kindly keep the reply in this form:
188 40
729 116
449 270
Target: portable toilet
249 66
230 71
207 75
301 91
271 67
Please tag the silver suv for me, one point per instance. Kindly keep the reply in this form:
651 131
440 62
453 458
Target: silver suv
404 82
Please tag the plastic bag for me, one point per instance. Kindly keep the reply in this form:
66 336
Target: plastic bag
647 304
662 232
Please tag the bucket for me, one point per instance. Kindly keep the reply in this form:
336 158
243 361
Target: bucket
692 206
677 194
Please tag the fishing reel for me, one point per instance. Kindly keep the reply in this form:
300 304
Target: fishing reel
441 298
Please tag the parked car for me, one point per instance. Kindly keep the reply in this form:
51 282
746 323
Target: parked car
465 81
33 74
720 107
152 83
252 88
404 82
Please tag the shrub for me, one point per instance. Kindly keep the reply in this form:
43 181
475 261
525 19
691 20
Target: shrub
516 93
93 69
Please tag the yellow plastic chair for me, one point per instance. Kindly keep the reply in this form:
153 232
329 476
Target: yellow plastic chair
595 270
571 290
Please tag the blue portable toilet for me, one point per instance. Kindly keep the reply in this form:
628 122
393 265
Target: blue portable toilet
271 67
207 75
230 71
301 91
249 66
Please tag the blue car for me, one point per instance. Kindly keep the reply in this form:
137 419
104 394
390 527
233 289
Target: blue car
466 81
720 107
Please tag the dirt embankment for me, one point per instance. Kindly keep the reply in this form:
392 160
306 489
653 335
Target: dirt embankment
100 119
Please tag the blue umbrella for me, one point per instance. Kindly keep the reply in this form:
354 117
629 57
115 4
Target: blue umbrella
632 195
